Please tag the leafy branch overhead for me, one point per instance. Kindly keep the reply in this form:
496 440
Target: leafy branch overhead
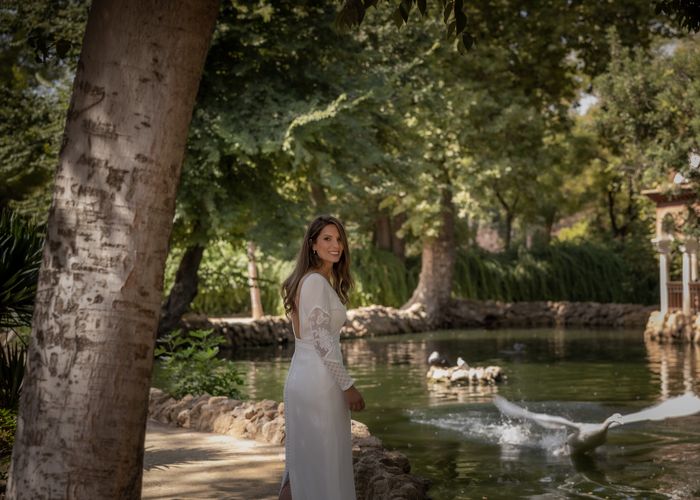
352 13
686 13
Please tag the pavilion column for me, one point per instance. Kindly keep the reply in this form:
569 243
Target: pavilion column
693 251
690 250
663 247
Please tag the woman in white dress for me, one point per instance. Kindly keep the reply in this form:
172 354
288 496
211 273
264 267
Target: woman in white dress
319 392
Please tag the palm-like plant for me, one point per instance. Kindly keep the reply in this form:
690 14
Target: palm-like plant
20 256
13 357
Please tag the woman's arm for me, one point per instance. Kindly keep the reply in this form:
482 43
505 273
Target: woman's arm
315 305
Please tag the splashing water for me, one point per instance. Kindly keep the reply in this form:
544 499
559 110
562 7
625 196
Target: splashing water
486 427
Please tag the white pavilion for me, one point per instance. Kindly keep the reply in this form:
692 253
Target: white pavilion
684 295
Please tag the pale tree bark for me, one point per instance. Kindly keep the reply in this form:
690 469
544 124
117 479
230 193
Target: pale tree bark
82 417
255 302
184 290
434 288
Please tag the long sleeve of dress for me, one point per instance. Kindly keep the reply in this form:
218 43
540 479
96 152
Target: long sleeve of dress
315 306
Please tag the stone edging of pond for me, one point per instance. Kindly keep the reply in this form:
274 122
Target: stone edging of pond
381 320
673 327
379 473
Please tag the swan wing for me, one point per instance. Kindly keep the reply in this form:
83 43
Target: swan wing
548 421
681 406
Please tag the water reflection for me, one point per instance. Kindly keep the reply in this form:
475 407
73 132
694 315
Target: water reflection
675 367
440 392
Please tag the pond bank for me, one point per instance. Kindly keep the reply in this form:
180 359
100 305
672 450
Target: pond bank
381 320
673 327
379 473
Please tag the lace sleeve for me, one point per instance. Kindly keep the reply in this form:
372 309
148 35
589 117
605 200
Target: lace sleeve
327 345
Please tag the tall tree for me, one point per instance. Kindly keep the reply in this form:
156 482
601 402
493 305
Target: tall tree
288 63
82 416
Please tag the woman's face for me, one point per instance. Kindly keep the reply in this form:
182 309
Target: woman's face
328 245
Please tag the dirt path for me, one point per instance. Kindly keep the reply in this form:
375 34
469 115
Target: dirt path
183 464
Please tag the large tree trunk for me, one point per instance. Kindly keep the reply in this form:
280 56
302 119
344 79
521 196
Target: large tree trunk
437 267
256 308
82 417
184 290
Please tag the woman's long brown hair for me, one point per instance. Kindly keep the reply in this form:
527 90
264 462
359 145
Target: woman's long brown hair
306 260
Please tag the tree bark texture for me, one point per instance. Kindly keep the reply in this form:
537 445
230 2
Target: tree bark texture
385 238
256 308
382 232
398 245
434 288
184 290
82 420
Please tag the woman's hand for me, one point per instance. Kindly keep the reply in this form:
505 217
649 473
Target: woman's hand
354 399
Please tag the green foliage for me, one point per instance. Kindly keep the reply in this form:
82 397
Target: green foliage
380 278
190 365
21 244
40 43
561 271
13 358
8 427
223 279
645 124
684 12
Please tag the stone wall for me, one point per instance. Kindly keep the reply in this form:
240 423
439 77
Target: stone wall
492 314
379 474
673 327
380 320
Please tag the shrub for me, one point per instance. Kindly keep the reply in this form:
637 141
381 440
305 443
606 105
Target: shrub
189 365
13 357
21 243
578 271
8 425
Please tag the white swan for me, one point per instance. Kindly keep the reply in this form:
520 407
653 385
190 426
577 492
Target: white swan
586 437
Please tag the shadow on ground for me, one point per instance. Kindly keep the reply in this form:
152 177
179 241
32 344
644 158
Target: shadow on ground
182 464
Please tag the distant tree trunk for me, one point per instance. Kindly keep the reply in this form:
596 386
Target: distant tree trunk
82 420
509 230
382 232
509 209
255 302
318 196
385 236
550 219
184 290
398 245
437 266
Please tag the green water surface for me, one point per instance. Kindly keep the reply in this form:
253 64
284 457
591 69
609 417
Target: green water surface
456 438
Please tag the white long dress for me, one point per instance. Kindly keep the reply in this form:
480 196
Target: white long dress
317 419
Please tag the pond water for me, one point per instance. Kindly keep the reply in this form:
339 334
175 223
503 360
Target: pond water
457 439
